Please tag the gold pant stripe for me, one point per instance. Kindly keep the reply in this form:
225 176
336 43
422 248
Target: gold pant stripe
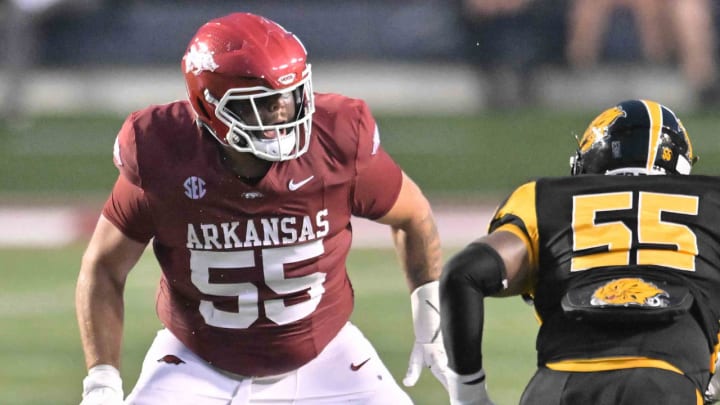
617 363
610 363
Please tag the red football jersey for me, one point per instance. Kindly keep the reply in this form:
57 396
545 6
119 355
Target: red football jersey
254 278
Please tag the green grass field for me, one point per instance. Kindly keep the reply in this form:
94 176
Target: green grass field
484 156
41 360
463 156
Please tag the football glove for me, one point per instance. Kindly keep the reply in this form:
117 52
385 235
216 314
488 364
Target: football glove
102 386
712 394
467 389
428 350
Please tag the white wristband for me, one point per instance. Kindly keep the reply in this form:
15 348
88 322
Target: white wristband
104 368
425 304
462 393
102 376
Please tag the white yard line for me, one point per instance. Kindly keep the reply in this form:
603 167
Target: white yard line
457 226
39 226
57 226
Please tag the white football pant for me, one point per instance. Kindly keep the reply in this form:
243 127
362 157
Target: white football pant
327 379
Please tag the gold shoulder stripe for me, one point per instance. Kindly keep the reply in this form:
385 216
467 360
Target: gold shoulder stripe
530 245
521 204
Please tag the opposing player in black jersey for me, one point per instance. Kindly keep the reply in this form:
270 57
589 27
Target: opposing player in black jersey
621 260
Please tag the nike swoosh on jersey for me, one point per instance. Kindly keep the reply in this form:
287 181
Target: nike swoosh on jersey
294 186
356 367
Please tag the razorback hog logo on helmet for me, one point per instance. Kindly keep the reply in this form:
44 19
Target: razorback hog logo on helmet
598 128
630 291
199 59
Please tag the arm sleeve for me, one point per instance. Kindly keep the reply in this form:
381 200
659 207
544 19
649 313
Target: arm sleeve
468 277
128 210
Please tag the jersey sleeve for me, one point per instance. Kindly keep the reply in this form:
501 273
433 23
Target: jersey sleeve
378 177
125 152
518 215
127 209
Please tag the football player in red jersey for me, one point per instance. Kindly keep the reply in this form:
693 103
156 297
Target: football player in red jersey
621 261
246 191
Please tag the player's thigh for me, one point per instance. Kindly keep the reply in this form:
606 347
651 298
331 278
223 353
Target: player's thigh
544 388
172 374
617 387
348 370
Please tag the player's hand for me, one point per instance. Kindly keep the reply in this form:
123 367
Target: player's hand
102 386
430 355
428 350
468 389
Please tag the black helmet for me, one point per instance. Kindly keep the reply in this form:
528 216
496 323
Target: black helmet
634 137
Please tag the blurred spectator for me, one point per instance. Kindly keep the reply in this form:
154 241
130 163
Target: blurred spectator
506 40
18 48
681 31
20 25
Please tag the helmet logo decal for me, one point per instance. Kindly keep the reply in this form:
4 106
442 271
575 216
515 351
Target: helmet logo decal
599 126
666 154
199 59
287 79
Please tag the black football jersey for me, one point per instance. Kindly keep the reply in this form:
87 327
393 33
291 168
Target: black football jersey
661 230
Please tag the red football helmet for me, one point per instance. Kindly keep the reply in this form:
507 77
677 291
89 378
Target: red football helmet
240 61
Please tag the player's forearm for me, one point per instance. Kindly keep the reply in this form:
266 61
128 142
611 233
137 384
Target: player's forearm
462 315
469 276
418 246
99 307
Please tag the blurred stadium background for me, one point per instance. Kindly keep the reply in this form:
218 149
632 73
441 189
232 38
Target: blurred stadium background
469 111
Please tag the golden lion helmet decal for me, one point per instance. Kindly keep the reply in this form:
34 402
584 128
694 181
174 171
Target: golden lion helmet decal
630 291
598 128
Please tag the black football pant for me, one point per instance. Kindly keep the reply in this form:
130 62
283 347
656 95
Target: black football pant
635 386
